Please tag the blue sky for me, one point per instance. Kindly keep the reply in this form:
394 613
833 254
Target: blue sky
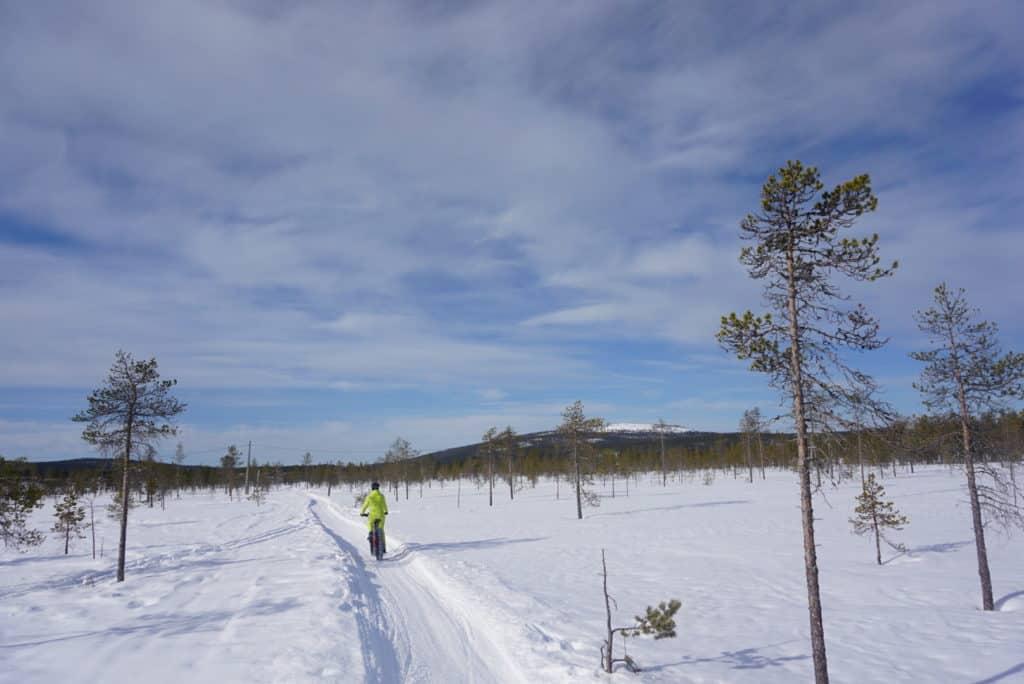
335 224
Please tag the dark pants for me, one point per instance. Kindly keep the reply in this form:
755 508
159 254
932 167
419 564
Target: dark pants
383 543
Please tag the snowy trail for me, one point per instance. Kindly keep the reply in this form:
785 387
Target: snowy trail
414 625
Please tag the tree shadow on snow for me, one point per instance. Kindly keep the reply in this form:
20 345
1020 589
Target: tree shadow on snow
10 563
946 547
457 546
743 659
1006 599
168 624
201 556
703 504
940 548
1016 669
171 523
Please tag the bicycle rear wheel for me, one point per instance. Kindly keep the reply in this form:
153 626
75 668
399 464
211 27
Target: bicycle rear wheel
378 546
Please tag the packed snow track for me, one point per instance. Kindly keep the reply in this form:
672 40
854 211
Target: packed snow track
413 626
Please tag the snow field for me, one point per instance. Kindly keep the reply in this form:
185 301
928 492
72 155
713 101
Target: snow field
215 591
225 591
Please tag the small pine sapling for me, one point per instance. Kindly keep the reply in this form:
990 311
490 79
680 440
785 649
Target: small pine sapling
875 514
258 492
658 622
69 515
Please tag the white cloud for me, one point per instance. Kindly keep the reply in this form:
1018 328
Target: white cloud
492 394
338 196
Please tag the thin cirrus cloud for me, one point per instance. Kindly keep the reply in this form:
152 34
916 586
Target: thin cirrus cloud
477 203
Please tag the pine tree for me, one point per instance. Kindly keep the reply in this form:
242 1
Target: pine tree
396 462
69 514
797 251
661 427
509 441
575 429
750 426
966 373
874 513
228 463
307 464
19 496
132 411
179 459
488 447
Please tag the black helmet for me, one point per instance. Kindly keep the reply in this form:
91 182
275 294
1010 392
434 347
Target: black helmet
375 485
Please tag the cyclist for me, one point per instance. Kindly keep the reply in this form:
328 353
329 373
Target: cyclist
375 508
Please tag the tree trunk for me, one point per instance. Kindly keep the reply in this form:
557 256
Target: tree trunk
1013 482
490 480
248 463
760 453
972 485
92 524
67 537
124 497
878 545
750 462
608 617
664 470
979 539
806 504
579 486
860 455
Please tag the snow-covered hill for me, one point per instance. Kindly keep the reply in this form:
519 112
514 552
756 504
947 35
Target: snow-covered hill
646 428
221 591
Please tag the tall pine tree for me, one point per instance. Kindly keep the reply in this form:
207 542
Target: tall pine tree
575 429
797 251
965 374
127 416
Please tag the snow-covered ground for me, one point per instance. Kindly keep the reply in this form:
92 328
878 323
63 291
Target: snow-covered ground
221 591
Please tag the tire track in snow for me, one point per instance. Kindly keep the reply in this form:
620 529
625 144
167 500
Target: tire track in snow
380 661
437 633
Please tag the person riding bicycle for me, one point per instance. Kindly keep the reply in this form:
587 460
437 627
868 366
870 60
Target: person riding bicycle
375 509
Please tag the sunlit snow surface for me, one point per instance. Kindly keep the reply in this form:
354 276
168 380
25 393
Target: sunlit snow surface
221 591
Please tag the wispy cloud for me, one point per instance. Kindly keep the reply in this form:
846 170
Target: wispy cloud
436 197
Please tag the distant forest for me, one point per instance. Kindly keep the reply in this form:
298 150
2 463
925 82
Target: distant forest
902 444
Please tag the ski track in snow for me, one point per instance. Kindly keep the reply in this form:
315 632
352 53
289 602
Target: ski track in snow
414 627
375 633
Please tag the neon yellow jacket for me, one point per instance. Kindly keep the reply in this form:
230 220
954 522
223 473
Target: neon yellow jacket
375 505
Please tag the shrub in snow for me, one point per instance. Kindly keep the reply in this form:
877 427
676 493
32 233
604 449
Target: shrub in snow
658 622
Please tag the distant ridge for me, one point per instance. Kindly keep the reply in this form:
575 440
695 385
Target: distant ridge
614 436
